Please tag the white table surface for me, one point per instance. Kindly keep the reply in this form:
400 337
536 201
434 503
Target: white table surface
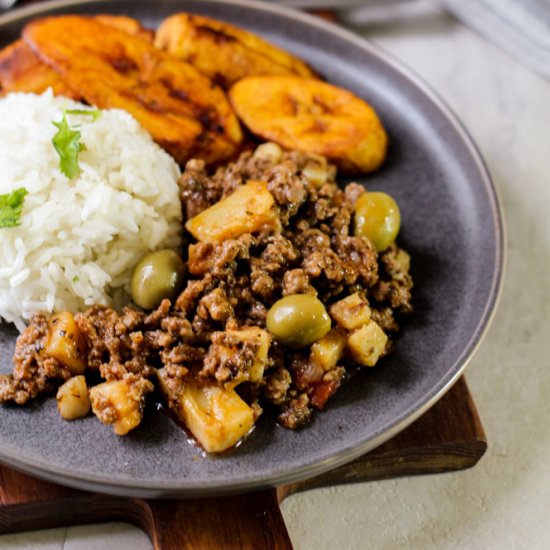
503 502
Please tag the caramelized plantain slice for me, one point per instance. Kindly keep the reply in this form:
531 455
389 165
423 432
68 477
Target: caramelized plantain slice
314 117
22 71
184 112
223 52
127 24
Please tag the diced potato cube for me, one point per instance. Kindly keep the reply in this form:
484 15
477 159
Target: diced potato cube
120 402
246 210
316 171
72 398
217 417
367 344
402 261
65 343
327 351
351 312
269 151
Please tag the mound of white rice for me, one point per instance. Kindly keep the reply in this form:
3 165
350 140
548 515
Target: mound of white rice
78 240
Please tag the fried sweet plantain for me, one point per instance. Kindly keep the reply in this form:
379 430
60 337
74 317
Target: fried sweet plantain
223 52
314 117
184 112
22 71
127 24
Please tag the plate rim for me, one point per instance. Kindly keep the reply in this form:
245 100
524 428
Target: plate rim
163 489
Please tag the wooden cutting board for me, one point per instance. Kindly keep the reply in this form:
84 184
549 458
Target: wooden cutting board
446 438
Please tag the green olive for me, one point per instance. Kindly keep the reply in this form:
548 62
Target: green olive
158 275
377 217
298 320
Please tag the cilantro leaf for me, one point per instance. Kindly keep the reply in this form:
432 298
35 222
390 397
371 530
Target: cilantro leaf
94 113
11 206
67 144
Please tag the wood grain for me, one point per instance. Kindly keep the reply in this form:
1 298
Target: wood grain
448 437
245 521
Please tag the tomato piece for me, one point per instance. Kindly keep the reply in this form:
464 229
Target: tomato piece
322 391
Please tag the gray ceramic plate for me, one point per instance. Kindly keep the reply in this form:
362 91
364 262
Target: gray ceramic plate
451 225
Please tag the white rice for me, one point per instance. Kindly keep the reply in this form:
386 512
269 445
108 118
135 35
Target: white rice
78 240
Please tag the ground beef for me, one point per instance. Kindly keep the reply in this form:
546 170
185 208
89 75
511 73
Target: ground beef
181 355
288 188
262 284
395 283
117 343
229 358
216 305
296 412
326 263
256 314
352 192
176 325
296 281
278 254
385 318
218 258
33 372
359 259
198 191
231 286
277 384
187 301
